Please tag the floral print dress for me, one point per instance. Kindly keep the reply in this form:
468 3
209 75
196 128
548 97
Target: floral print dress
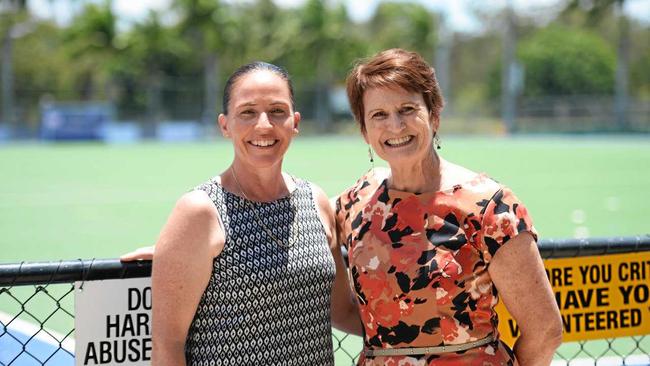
418 264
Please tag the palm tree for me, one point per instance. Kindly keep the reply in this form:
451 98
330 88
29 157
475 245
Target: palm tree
151 48
202 24
90 42
317 44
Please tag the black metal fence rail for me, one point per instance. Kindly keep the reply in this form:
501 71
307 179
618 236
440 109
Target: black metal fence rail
34 273
40 273
569 248
38 293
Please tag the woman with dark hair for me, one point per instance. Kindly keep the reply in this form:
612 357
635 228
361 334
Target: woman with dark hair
247 263
433 246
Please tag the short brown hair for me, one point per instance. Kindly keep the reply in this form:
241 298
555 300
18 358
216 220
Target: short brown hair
393 68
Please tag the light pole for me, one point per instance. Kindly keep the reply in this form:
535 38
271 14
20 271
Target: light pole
509 72
622 69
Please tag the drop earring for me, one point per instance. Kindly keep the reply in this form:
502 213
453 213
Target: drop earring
371 157
436 141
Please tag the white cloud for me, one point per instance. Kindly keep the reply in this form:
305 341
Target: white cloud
638 9
289 3
138 9
361 10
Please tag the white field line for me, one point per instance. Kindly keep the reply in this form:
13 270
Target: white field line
24 327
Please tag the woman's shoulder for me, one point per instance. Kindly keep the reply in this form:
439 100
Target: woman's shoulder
193 227
365 186
196 203
482 185
369 180
209 187
488 197
478 184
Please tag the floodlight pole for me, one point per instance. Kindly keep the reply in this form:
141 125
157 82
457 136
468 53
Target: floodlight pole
211 87
622 68
508 72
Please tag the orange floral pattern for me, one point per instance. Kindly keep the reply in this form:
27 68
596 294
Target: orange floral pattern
418 265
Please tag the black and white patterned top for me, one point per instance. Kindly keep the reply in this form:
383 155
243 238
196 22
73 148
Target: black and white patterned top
266 304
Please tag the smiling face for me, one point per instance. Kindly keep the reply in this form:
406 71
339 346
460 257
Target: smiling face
260 120
398 125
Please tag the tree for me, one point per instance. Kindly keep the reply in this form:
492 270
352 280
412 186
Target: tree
152 50
640 74
560 61
12 13
410 27
597 10
322 53
211 29
42 70
90 42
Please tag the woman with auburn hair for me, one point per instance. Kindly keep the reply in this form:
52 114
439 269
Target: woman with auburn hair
433 246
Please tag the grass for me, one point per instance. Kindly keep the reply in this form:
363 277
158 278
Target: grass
69 201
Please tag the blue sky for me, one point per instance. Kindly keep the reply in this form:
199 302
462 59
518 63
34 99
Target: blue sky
458 12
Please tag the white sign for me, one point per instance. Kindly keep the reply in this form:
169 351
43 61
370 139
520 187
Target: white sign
113 322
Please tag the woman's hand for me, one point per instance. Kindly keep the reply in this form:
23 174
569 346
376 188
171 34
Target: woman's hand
142 253
518 274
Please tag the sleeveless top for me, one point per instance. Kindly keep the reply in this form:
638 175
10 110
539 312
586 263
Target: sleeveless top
266 304
419 266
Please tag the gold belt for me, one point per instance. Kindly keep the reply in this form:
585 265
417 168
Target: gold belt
429 350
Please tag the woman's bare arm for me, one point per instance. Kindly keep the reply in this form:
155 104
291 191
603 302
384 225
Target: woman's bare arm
518 274
345 316
185 250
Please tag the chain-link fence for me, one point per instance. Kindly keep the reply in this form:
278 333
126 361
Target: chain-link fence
581 114
37 309
182 100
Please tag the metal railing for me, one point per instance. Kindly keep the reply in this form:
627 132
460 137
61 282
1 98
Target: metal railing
41 310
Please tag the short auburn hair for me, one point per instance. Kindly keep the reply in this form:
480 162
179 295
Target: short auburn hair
389 69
